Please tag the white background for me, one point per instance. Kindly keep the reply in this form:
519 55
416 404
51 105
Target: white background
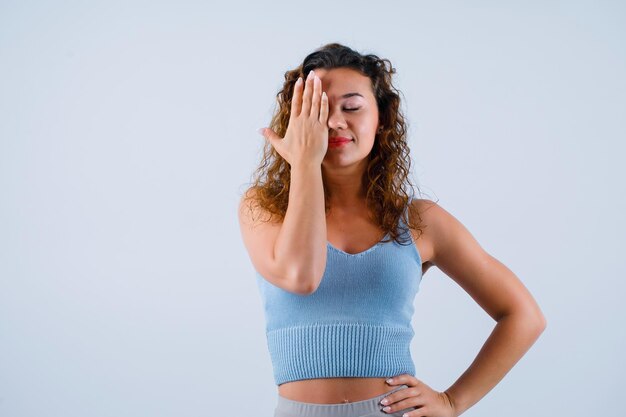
128 134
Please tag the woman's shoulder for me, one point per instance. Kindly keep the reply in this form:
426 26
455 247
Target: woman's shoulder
422 210
436 225
432 216
439 228
250 207
420 214
422 203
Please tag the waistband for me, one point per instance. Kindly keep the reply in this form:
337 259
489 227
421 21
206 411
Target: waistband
287 407
321 350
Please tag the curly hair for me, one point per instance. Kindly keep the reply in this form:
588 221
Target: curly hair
386 179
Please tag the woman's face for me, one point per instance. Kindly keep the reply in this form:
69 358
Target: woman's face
352 114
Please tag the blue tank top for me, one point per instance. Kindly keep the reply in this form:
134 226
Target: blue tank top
356 324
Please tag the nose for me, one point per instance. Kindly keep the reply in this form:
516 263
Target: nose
336 120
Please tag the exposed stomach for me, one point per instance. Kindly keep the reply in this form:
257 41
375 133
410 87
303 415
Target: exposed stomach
334 390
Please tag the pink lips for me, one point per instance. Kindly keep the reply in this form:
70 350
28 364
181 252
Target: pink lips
337 141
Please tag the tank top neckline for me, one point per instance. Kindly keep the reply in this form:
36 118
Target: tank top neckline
368 250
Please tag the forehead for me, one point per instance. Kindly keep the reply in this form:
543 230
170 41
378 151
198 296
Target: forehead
339 81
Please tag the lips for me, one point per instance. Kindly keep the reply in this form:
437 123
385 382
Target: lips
338 139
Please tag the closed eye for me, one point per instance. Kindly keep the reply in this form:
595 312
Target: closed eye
354 109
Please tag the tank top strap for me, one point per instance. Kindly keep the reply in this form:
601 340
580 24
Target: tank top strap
402 224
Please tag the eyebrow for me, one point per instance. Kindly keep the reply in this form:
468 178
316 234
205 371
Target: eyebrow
351 95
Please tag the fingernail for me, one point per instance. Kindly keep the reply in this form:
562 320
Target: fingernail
299 80
311 74
390 380
261 130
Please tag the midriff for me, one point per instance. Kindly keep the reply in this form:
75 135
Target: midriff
334 390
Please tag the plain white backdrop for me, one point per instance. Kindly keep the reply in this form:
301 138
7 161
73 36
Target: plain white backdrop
128 135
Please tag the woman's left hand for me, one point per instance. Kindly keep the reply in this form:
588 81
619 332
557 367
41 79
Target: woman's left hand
429 403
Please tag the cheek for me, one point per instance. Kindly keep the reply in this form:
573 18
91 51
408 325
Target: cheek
366 124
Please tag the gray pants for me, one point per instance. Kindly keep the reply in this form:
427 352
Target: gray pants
365 408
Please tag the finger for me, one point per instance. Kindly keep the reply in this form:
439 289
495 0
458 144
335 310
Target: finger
324 109
296 98
315 100
398 394
406 407
414 412
403 379
402 402
271 137
306 97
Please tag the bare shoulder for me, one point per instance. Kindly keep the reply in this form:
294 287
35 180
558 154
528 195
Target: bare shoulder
251 213
439 227
421 213
422 205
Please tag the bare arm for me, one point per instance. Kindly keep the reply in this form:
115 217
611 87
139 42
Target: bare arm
301 242
500 293
290 253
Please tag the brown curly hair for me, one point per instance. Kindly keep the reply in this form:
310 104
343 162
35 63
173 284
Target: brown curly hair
386 179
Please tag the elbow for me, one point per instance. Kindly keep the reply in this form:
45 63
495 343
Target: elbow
307 283
530 321
537 322
539 319
305 290
542 323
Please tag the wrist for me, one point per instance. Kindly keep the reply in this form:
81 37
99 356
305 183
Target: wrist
306 167
453 404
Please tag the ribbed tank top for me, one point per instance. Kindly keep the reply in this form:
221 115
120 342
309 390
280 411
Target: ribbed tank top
356 324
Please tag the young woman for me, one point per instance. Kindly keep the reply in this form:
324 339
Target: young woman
340 246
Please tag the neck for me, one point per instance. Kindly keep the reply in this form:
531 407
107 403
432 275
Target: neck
344 185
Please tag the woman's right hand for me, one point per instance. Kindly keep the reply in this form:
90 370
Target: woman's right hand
306 138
